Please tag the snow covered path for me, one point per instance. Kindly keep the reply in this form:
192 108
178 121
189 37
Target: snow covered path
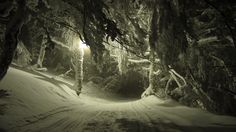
39 103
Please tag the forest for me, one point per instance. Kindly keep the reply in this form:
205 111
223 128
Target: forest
117 65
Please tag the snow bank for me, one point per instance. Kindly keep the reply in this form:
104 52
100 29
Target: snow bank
38 102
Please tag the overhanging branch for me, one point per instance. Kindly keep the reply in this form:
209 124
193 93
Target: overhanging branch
63 24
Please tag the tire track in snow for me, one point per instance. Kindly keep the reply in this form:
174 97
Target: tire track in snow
79 122
156 121
139 109
66 120
40 117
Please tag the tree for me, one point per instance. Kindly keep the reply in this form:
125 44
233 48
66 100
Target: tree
14 20
77 63
41 53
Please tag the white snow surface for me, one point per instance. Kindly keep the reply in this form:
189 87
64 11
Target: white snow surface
39 103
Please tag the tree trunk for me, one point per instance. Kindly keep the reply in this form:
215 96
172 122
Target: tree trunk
150 89
10 43
122 61
151 72
77 63
153 41
41 54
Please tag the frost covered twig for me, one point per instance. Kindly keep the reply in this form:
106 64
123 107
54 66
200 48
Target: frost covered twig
175 78
178 75
221 62
139 61
66 73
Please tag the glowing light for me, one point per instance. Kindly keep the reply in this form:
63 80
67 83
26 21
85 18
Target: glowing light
78 44
83 45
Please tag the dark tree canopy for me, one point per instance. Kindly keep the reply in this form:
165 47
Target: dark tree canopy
189 45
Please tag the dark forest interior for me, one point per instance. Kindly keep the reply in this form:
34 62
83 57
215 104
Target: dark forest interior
117 65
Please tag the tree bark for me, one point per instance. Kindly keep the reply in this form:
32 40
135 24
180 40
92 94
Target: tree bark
150 89
153 41
13 28
122 61
77 63
41 54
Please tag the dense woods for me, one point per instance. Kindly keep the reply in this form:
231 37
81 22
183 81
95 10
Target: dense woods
179 49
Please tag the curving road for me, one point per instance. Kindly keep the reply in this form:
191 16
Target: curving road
40 103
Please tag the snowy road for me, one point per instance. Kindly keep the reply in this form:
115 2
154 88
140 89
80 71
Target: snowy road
42 104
